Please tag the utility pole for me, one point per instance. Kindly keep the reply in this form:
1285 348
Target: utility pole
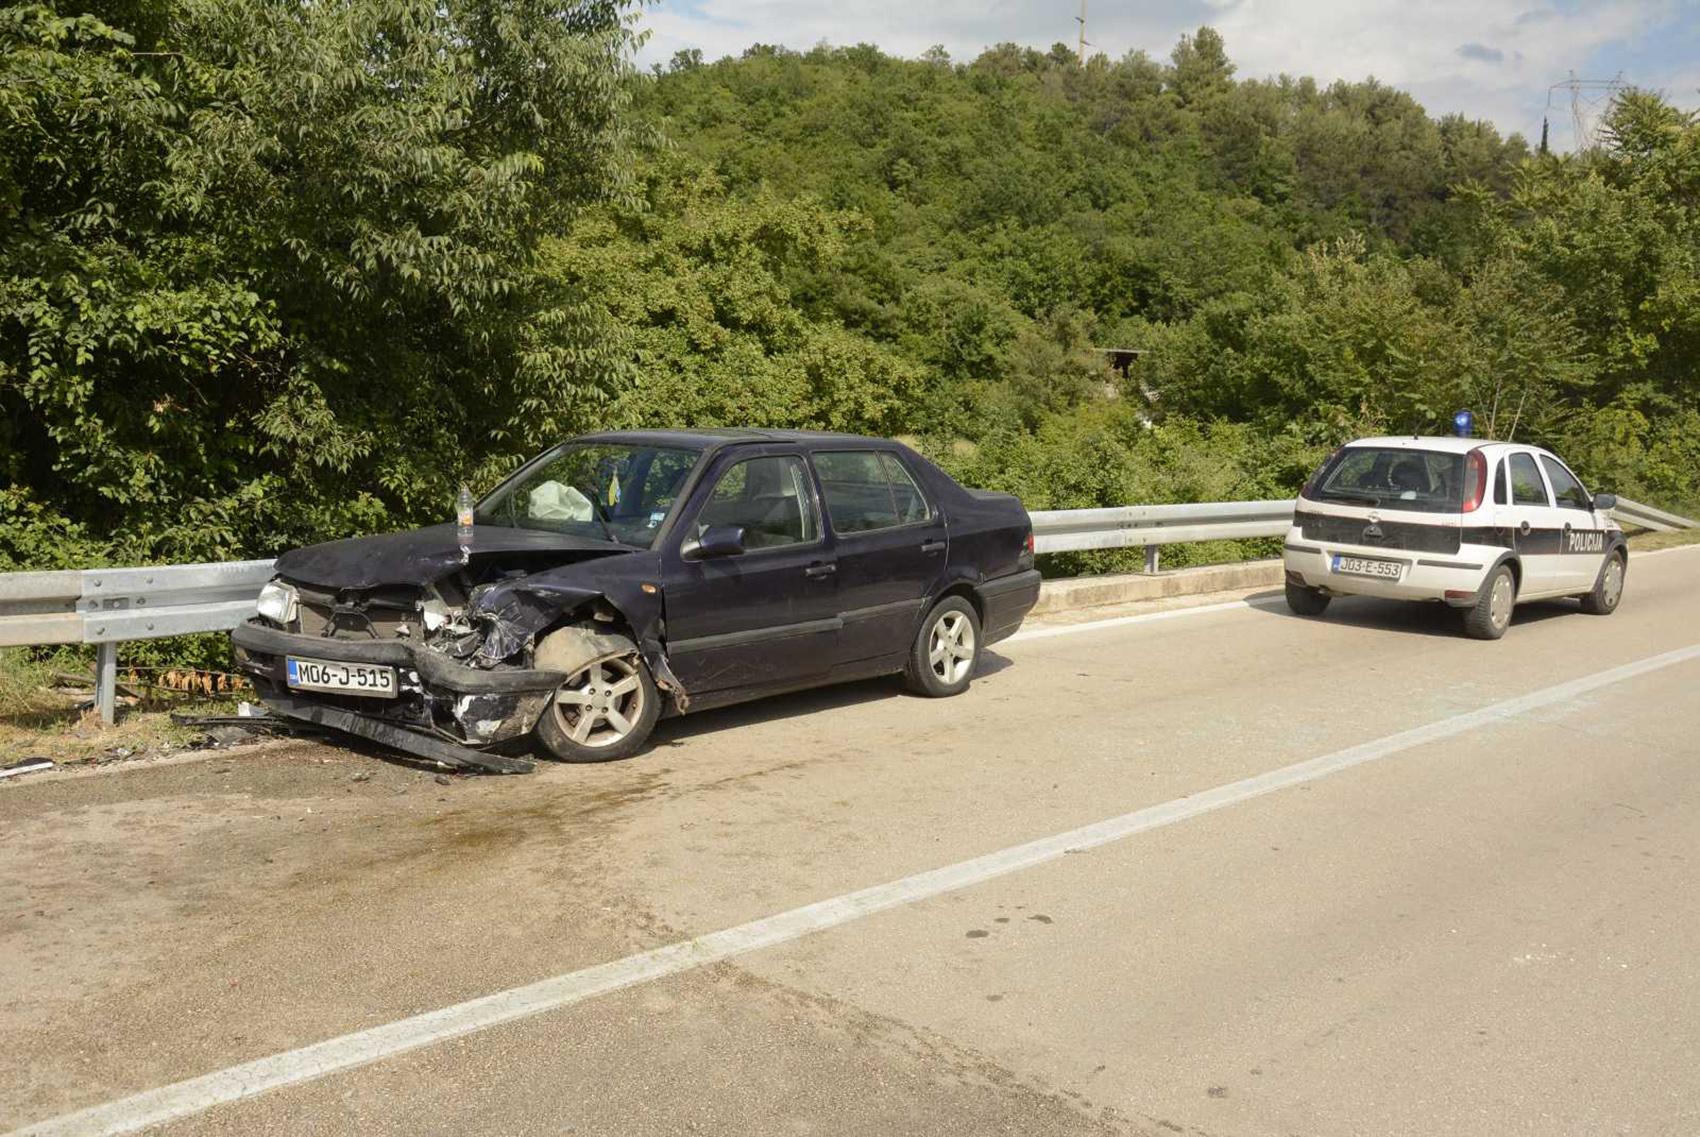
1081 20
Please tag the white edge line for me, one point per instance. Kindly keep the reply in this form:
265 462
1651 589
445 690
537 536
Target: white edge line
183 1099
1046 631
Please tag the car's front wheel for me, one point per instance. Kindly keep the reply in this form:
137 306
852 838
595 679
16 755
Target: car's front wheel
946 650
603 711
1608 587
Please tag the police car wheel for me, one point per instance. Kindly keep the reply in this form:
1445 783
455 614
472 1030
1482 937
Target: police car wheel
1608 588
1306 601
1490 615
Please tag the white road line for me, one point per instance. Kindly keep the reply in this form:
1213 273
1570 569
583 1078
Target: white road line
1045 632
153 1107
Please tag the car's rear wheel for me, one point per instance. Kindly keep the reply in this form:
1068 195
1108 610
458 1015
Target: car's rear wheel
603 711
946 650
1490 615
1306 601
1608 587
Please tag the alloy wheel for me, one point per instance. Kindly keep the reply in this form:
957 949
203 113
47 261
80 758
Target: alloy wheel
950 649
600 704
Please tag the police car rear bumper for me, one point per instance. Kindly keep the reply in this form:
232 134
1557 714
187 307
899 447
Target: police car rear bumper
1452 578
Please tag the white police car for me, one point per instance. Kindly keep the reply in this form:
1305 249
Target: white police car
1479 525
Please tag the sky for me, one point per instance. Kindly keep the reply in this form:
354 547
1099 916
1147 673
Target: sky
1492 59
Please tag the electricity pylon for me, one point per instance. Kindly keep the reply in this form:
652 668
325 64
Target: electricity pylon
1589 99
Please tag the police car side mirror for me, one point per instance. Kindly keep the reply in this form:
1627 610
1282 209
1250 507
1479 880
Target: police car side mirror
1605 502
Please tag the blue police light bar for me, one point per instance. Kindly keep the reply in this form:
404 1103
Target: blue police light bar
1464 423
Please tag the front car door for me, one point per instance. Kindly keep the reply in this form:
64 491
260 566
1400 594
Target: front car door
765 618
1582 539
890 542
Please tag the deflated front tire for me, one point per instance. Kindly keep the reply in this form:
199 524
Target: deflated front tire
604 709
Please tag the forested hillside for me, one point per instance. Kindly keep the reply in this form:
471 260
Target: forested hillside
268 275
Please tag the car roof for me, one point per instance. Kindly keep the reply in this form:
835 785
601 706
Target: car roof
1446 444
713 438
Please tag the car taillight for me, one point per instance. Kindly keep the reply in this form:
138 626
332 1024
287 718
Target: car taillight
1030 542
1475 480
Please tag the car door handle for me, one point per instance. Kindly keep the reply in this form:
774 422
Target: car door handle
932 546
1523 528
815 572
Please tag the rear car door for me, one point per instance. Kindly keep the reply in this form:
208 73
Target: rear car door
891 543
769 616
1582 538
1534 525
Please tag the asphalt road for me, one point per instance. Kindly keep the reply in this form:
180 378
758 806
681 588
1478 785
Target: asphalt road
1475 915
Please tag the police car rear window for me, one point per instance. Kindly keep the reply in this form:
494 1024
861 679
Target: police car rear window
1423 481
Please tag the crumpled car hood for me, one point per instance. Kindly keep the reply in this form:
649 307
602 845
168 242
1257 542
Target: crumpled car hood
420 556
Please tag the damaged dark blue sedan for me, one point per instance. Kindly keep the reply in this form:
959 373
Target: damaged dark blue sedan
622 576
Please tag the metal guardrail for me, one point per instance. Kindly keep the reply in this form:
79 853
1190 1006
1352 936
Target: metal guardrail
1073 530
106 607
1646 517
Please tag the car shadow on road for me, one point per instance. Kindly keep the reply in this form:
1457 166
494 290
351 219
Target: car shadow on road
677 730
1415 618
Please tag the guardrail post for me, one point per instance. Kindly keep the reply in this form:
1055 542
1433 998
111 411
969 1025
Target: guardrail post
106 682
1152 552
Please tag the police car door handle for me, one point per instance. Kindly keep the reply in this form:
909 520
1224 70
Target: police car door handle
1523 528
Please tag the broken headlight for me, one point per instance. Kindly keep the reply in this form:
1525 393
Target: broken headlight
279 602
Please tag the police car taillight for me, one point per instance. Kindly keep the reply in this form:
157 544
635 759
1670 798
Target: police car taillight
1475 480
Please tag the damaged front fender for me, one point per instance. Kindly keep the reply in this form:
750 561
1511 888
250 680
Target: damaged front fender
511 613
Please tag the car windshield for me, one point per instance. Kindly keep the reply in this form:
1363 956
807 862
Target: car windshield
611 491
1393 477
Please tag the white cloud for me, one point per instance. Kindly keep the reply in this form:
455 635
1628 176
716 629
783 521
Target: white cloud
1416 46
1411 45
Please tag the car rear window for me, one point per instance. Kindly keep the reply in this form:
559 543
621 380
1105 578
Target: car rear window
1392 477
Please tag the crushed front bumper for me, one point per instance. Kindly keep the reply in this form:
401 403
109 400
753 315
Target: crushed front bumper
444 711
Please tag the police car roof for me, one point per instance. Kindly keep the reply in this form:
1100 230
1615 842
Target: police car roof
1442 443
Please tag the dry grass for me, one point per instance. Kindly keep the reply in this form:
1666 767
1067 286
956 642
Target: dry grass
1646 542
42 715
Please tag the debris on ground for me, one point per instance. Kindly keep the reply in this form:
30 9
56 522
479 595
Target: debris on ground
444 780
250 723
27 766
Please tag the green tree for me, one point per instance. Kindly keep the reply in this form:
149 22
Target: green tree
266 271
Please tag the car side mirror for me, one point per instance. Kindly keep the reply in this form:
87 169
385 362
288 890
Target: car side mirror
1605 502
716 541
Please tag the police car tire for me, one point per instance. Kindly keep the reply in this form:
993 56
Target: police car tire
1306 601
1478 618
1599 602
